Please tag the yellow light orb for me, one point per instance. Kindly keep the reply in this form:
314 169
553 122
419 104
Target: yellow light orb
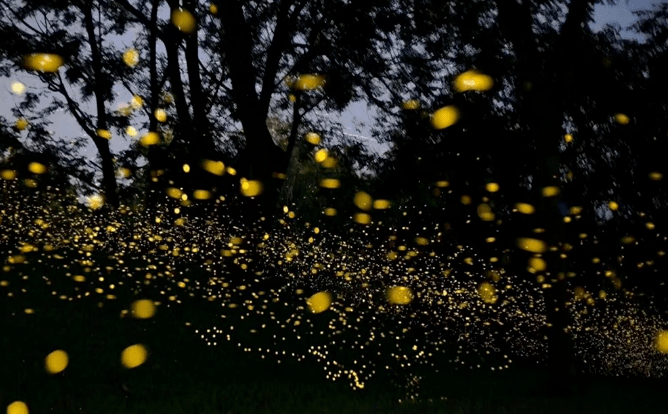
56 362
201 194
21 124
132 131
250 188
330 183
312 138
661 342
362 200
160 115
131 57
487 293
411 105
537 264
42 62
399 295
17 407
36 168
568 138
151 138
550 191
330 211
381 204
319 302
320 155
445 117
18 88
213 9
104 133
473 81
8 174
492 187
183 20
309 81
214 167
622 119
525 208
362 218
655 176
531 245
613 205
143 309
133 356
95 201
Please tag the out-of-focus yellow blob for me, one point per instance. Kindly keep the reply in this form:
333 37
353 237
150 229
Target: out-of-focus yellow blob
124 172
186 168
79 278
201 194
183 20
568 137
17 407
18 88
21 124
550 191
531 245
655 176
250 188
8 174
213 9
487 292
381 204
628 239
613 205
131 57
319 302
56 362
445 117
362 218
622 119
160 114
442 184
525 208
133 356
330 211
329 162
422 241
136 102
661 342
104 133
42 62
330 183
537 264
485 212
399 295
214 167
362 200
231 171
466 200
312 138
411 105
174 192
473 81
308 82
575 210
492 187
143 309
95 201
320 155
36 168
132 131
151 138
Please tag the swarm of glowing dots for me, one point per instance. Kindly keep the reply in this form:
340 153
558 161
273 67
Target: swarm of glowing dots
399 295
183 20
151 138
95 201
143 309
133 356
214 167
250 188
362 200
42 62
17 407
21 124
531 245
330 183
36 168
473 81
18 88
445 117
550 191
56 362
131 57
308 82
661 342
410 105
312 138
622 119
160 114
487 292
319 302
320 155
362 218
